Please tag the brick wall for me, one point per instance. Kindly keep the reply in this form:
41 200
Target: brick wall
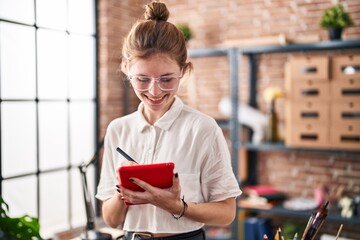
214 22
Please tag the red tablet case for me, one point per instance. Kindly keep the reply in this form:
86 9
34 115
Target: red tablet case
158 175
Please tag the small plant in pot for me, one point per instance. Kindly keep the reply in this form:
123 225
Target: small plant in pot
335 19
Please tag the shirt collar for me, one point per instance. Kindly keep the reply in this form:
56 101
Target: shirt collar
165 121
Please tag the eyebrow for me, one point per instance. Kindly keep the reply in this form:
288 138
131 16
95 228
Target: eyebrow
144 75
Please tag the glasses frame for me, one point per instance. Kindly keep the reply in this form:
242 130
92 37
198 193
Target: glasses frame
153 81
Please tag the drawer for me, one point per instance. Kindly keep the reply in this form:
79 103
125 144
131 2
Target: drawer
346 136
309 68
309 135
345 68
345 111
310 90
344 89
309 111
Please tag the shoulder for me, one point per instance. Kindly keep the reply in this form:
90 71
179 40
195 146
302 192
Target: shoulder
122 122
199 120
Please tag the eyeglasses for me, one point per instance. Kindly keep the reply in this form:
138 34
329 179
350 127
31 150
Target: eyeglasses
145 83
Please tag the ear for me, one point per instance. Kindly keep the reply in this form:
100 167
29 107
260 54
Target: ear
123 67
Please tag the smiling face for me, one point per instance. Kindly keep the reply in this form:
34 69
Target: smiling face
156 101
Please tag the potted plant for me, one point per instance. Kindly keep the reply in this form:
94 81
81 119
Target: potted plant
22 228
186 30
335 19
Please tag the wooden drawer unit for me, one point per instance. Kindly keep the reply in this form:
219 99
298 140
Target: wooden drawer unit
309 135
345 136
309 112
309 68
345 68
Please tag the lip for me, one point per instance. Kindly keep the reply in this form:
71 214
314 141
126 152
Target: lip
155 100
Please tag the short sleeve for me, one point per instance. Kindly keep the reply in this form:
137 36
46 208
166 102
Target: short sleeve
218 178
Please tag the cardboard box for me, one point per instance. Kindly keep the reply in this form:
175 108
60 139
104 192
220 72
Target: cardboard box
345 111
344 89
310 90
346 136
310 68
345 67
308 111
309 135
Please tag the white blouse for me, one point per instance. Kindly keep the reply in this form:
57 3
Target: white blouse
191 140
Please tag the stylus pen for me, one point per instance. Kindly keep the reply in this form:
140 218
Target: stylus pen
125 155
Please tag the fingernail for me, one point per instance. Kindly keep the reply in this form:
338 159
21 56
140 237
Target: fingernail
131 180
118 190
176 175
117 186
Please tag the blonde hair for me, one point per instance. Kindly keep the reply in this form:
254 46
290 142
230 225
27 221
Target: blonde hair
155 35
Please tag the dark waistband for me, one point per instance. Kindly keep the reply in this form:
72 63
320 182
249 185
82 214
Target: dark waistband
194 235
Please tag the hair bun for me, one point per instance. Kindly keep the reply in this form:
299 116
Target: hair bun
156 11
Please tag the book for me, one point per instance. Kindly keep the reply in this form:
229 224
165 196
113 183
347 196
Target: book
250 228
250 203
264 228
261 190
268 192
255 228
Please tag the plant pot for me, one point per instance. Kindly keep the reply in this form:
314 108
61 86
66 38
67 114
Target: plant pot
335 33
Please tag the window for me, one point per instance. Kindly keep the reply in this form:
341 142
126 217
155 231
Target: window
48 108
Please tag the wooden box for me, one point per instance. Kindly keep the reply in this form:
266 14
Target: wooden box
345 68
345 111
346 136
309 112
310 90
309 135
346 88
309 68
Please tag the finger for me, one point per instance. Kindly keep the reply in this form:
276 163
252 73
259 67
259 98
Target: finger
176 182
142 184
134 197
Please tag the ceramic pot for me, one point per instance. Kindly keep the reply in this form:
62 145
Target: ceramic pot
335 33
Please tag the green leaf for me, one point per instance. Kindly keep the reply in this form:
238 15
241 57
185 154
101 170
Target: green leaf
336 17
22 228
185 29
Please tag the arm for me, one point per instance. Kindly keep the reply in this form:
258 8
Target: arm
212 213
114 211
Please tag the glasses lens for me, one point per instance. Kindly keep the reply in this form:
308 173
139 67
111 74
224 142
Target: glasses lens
164 83
167 83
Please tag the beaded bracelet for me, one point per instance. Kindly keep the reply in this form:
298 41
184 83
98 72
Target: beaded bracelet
185 206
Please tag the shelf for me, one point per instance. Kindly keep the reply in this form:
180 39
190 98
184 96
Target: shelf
317 46
279 210
234 57
284 148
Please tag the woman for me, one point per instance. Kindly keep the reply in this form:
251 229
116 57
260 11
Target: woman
163 129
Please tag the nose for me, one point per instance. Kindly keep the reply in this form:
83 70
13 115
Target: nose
154 88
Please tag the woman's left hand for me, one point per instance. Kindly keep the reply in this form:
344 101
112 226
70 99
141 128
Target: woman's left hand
168 199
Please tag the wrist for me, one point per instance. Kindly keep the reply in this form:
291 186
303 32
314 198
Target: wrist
184 207
177 207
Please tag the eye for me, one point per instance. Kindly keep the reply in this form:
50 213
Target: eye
166 79
143 79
